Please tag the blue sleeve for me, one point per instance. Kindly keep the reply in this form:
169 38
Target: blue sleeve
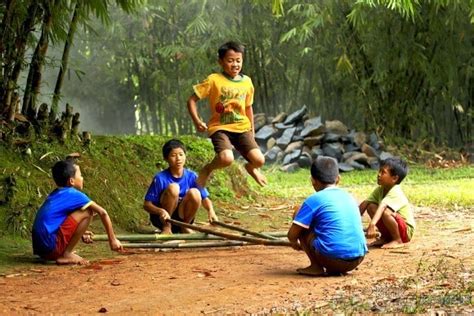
154 191
304 217
192 184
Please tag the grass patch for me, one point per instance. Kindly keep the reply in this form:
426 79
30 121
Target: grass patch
436 188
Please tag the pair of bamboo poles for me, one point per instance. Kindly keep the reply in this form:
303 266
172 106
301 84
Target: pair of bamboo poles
216 238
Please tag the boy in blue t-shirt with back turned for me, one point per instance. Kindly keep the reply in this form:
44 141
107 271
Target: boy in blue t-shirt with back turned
63 218
328 226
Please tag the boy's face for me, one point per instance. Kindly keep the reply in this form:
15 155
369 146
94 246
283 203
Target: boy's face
385 178
177 158
77 181
232 63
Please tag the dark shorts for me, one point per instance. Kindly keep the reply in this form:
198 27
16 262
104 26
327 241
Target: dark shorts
402 229
242 142
155 220
64 235
335 265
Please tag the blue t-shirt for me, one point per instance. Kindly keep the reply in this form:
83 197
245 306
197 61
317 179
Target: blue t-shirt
54 211
163 179
334 217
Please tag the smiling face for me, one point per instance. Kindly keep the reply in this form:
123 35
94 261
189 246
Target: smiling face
232 63
176 159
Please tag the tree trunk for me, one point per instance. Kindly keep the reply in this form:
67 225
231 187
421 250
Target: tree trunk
33 84
65 59
15 54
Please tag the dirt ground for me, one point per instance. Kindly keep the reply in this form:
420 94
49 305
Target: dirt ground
435 272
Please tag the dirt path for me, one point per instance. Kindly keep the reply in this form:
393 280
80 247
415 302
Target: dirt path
253 279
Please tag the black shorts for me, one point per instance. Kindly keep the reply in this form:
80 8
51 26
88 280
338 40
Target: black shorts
155 220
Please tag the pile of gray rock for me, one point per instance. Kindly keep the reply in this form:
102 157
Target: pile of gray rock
295 140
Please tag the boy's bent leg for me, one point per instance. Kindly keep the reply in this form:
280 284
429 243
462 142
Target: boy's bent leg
255 161
384 233
188 208
169 201
390 223
315 268
83 219
221 160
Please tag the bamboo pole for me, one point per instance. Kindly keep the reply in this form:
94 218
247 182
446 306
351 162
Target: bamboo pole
162 237
258 241
228 243
243 230
159 237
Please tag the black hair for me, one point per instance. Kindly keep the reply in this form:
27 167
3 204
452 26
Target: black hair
396 166
62 171
236 47
325 170
170 145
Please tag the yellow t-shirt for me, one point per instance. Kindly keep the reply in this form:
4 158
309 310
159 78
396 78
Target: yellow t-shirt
228 100
398 202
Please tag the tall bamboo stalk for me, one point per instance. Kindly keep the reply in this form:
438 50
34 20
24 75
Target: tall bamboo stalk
159 237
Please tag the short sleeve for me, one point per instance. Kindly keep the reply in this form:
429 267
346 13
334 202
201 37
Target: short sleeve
202 90
395 199
250 95
376 195
304 217
154 192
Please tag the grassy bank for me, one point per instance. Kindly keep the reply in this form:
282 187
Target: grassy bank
118 170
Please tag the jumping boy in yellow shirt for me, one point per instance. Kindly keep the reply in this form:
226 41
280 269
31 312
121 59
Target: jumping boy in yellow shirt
231 123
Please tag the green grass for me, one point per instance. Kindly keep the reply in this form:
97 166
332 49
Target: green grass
437 188
118 170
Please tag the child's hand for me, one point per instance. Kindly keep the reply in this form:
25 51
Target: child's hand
164 216
371 233
116 245
87 237
211 216
201 126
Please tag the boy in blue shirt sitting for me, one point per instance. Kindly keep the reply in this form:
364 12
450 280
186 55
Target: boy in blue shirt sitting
64 217
174 193
328 226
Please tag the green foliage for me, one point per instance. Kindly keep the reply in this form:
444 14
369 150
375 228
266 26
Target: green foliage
117 172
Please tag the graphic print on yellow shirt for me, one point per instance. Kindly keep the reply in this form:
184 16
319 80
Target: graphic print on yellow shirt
228 100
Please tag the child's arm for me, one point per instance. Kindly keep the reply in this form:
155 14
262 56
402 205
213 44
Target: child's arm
161 212
249 113
211 215
363 207
293 234
378 214
104 217
192 108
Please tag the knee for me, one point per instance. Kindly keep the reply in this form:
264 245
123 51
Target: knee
173 190
256 158
226 157
194 194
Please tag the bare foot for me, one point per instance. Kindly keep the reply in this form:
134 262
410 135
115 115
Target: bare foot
311 270
186 230
166 230
71 258
204 175
377 243
256 174
393 244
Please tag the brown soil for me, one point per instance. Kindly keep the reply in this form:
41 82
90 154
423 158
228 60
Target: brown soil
252 279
